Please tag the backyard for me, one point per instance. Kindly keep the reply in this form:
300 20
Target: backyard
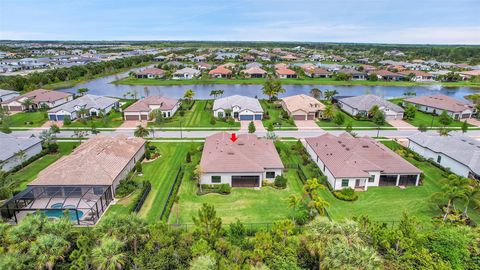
199 116
275 116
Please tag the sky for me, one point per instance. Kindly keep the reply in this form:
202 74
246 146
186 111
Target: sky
363 21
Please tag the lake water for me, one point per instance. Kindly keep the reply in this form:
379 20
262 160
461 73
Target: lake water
102 86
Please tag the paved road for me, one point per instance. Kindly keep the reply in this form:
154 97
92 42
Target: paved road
283 133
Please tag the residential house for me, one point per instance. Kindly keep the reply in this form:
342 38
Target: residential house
160 58
186 73
317 72
289 57
204 66
7 94
436 104
40 98
94 105
467 75
460 154
388 75
239 107
355 74
255 72
361 105
247 162
253 64
359 163
284 73
142 109
220 72
199 59
16 150
418 75
303 107
248 58
150 73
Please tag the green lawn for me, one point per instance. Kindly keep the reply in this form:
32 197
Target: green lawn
275 114
348 119
198 116
422 118
298 81
388 203
116 119
30 172
37 118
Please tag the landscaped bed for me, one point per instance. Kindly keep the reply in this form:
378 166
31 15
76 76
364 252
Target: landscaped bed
349 119
115 119
275 116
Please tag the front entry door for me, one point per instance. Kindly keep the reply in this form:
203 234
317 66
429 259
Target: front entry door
357 183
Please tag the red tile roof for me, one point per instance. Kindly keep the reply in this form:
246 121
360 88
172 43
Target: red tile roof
285 71
220 70
42 95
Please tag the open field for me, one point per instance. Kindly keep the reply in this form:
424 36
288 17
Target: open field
198 116
20 119
275 114
299 81
30 172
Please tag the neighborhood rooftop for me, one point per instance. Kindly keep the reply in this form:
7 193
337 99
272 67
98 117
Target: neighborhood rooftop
11 145
143 104
303 102
366 102
42 95
87 102
441 102
236 100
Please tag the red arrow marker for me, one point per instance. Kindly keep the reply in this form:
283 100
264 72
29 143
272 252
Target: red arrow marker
234 137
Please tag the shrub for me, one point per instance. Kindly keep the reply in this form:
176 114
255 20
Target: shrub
225 189
152 147
346 194
52 148
213 121
280 181
125 187
215 188
189 157
138 167
67 121
148 155
181 112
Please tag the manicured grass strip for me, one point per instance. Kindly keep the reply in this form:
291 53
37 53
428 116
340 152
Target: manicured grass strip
161 174
275 115
30 172
425 119
37 118
116 119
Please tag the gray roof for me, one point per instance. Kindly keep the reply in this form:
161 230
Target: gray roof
87 102
458 147
241 101
187 70
366 102
4 92
11 144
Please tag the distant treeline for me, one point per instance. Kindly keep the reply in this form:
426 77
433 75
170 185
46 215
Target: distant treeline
39 79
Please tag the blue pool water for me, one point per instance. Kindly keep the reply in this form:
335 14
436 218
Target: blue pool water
52 213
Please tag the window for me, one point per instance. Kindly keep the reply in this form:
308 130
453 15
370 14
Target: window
439 159
216 179
324 167
270 175
371 179
345 182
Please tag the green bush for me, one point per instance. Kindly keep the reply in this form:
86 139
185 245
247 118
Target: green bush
225 189
280 181
346 194
138 167
125 187
67 121
215 188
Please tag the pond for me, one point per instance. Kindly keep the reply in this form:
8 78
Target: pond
103 86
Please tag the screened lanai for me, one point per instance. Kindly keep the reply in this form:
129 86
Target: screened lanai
84 205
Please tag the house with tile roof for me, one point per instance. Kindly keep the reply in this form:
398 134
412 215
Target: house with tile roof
12 145
142 109
359 163
418 75
284 73
255 72
40 98
186 73
150 73
360 105
220 72
436 104
239 107
460 154
244 163
302 107
94 105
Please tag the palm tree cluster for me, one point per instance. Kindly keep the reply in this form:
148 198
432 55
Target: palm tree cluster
272 88
216 93
310 199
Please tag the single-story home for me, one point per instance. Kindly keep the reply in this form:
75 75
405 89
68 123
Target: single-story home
355 74
360 105
16 150
255 72
204 66
220 72
461 154
284 73
239 107
436 104
141 109
418 75
386 75
316 72
253 64
359 163
40 98
186 73
244 163
302 107
93 104
8 94
82 184
150 73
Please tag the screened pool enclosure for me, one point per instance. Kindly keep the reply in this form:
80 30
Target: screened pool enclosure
83 205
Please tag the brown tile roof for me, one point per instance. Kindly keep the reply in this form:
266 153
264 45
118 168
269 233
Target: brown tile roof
143 105
254 70
247 154
440 102
416 73
303 102
345 156
97 161
285 71
385 73
317 71
154 71
42 95
280 65
220 70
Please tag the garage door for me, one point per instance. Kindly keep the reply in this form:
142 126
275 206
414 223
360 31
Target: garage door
390 117
310 117
246 117
131 117
144 117
466 115
258 117
299 117
15 108
60 117
245 181
52 117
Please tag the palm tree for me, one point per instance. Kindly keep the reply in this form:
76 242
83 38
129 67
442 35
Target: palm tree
272 88
329 112
82 112
453 188
311 187
109 255
318 203
293 202
21 155
82 91
329 94
48 249
141 132
316 93
471 196
189 94
28 103
220 92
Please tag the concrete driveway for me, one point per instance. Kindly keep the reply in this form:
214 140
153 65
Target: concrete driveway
258 126
398 123
133 124
307 125
473 121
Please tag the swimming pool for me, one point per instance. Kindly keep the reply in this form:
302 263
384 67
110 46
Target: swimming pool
52 213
